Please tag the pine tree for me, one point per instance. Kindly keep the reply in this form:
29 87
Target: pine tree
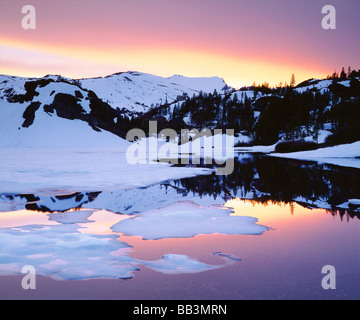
343 74
292 81
349 71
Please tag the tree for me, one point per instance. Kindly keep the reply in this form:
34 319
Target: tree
349 71
343 73
292 81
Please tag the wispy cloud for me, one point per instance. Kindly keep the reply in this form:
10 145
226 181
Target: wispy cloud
25 61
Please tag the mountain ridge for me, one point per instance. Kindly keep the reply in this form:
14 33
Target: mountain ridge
121 101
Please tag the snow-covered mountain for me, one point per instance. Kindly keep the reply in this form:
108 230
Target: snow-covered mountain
44 113
138 92
54 111
200 83
316 85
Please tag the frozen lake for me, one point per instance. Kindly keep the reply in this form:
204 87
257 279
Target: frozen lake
106 230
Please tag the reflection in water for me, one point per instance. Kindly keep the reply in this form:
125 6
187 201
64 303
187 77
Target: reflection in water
91 242
260 178
266 179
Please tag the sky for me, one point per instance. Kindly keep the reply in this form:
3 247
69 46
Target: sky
241 41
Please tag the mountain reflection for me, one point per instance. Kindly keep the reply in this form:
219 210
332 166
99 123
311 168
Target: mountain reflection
264 178
259 178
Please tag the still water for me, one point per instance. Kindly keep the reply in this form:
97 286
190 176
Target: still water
264 232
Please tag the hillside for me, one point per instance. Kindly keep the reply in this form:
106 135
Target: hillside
316 110
138 92
45 113
55 111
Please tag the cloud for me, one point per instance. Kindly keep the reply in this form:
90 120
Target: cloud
17 60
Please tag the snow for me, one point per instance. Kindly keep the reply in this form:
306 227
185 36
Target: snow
344 155
217 148
320 85
206 143
350 204
249 94
241 138
64 171
204 84
256 149
45 96
139 91
355 202
14 83
186 219
322 135
50 131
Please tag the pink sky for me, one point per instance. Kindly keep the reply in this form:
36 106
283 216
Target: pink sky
241 41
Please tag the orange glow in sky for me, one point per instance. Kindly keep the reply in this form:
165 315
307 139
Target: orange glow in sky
242 42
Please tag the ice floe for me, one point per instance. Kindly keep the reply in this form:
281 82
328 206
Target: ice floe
177 263
186 219
68 246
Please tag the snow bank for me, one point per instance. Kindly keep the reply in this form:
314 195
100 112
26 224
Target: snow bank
50 131
256 149
343 155
64 171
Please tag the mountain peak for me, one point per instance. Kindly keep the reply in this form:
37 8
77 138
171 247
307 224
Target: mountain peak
205 84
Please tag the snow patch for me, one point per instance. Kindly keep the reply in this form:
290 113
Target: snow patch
346 155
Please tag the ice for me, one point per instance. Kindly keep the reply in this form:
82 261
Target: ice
71 217
178 264
187 219
229 256
62 250
63 171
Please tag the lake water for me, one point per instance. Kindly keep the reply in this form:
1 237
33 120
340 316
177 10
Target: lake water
263 232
